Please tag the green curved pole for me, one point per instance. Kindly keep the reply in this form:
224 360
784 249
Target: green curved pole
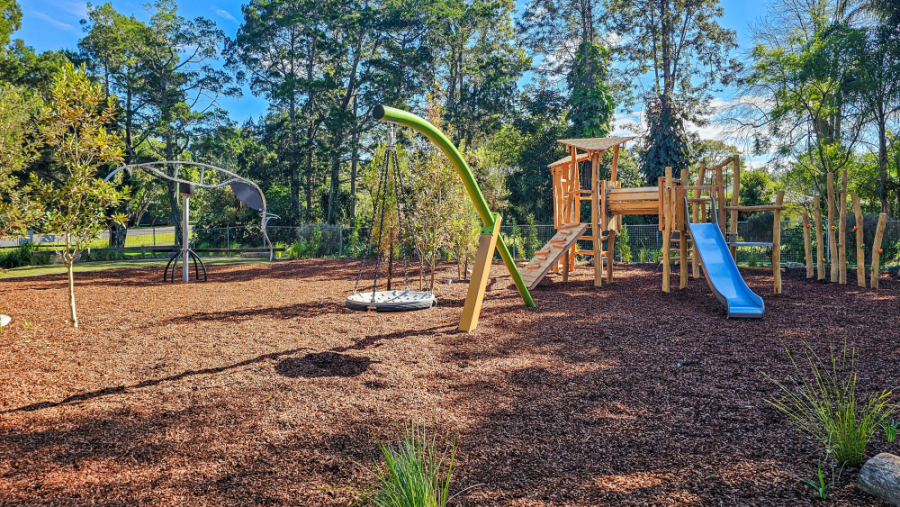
389 114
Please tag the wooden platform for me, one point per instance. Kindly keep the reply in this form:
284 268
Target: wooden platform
545 258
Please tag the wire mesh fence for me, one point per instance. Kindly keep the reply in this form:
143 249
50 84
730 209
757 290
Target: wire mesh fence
644 242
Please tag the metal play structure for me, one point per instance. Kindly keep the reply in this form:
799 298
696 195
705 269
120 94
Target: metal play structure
247 191
490 238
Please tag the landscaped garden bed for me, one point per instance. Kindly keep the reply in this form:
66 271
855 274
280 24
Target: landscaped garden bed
260 388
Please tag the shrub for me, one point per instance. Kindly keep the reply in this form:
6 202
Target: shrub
623 246
306 249
416 472
824 405
18 257
890 430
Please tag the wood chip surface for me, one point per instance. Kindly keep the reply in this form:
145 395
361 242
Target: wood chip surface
260 388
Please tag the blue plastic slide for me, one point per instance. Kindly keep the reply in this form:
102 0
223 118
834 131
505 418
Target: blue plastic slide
722 273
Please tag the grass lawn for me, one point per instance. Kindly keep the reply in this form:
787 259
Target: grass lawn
53 269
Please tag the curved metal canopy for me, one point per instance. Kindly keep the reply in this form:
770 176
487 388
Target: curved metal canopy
246 190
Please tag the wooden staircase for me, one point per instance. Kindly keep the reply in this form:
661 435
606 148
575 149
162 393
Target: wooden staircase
551 253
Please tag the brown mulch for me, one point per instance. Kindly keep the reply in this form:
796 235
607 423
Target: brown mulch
260 388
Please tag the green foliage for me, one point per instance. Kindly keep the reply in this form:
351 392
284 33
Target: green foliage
648 254
678 50
890 430
752 260
756 187
623 246
591 104
306 249
667 143
16 150
10 19
416 472
532 241
17 257
819 485
823 403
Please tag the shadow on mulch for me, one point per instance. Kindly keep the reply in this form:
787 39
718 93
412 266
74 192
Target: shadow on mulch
324 364
76 398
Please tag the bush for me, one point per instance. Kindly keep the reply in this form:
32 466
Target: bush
306 249
18 257
416 472
622 245
824 405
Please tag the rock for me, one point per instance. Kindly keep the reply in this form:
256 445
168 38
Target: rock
794 265
880 477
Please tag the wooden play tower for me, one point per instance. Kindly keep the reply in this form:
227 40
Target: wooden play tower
671 200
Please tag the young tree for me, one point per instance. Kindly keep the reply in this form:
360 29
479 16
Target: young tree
74 126
677 48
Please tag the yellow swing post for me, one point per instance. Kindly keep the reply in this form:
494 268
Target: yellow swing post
487 242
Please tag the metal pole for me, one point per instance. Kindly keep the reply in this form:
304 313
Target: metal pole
184 240
391 115
227 236
340 240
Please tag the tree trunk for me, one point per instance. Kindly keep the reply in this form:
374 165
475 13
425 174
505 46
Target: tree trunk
174 209
70 260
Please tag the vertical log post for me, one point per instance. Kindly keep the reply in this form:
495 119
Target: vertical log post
876 246
596 233
807 248
735 197
820 244
832 247
720 183
842 232
681 221
699 217
860 242
776 243
667 231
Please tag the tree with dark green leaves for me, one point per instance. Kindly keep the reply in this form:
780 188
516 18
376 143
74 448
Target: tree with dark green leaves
591 104
179 85
675 56
477 63
804 93
566 34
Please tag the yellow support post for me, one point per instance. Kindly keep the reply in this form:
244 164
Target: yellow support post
478 282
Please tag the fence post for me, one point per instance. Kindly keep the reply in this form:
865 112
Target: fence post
227 236
340 240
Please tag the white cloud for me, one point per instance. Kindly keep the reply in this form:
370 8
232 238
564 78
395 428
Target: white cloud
52 21
224 14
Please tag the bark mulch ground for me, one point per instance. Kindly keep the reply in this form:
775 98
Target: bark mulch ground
260 388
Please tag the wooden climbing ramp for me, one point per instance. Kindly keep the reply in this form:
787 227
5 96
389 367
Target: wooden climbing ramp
551 253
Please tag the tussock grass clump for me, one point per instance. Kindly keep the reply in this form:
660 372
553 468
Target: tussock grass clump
823 403
416 471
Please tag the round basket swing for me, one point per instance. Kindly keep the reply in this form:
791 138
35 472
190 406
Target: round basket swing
392 227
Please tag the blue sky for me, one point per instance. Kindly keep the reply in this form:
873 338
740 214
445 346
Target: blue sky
54 24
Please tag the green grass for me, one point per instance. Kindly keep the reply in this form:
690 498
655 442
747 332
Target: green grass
95 266
823 403
416 472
